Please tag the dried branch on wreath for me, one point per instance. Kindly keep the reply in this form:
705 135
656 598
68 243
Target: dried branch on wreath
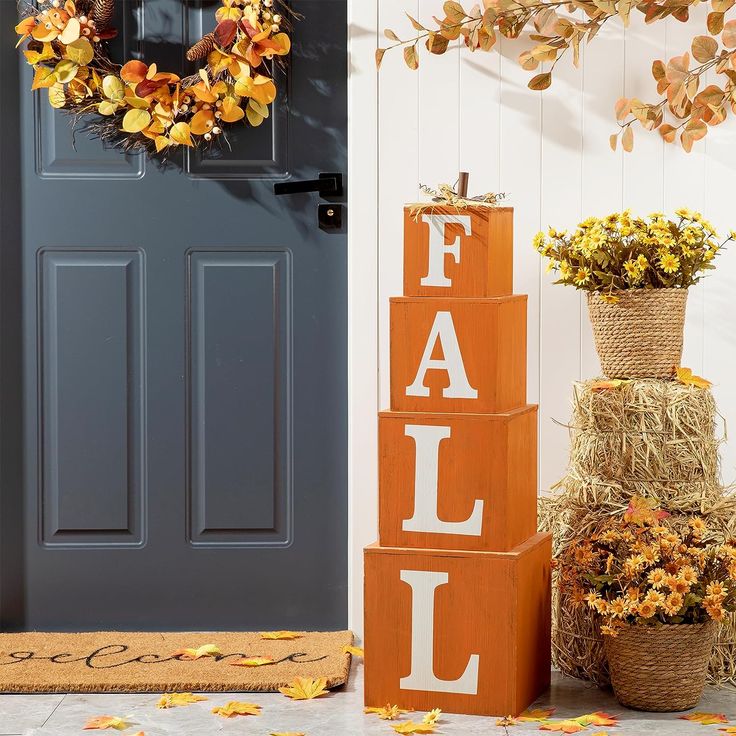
137 107
688 106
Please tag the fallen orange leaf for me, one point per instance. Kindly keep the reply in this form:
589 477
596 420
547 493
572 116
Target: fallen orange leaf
569 726
730 729
388 712
355 651
507 721
536 715
706 719
280 635
305 688
597 719
685 376
100 722
236 708
175 700
600 733
411 727
206 650
251 661
287 733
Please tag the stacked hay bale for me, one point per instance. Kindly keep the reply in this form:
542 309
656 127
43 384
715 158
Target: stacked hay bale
649 438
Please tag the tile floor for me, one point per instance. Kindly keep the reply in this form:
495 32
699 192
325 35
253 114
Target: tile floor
339 714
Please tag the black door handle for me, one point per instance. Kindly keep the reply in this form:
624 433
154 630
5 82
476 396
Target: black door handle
328 185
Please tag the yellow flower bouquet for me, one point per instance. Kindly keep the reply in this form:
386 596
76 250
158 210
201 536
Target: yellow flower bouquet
657 589
620 252
636 272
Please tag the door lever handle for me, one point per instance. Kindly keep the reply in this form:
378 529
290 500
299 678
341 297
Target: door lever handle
328 185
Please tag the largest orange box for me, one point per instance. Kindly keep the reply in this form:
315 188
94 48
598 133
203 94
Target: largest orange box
476 264
473 459
493 609
491 337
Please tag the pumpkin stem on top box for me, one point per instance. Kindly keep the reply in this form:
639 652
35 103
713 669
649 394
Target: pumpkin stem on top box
463 252
458 355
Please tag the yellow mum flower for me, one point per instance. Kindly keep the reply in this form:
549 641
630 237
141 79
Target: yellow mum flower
673 604
632 271
657 578
677 585
642 262
685 213
539 241
697 525
716 590
566 270
646 609
582 276
688 574
669 263
654 597
617 608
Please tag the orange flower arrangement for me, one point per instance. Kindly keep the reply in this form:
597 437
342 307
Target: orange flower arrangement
155 110
640 570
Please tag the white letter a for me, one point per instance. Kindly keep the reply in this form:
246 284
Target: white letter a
443 330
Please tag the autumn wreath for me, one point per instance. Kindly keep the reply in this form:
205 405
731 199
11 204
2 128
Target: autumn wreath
139 107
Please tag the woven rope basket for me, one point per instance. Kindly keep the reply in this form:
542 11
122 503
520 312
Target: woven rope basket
641 335
660 668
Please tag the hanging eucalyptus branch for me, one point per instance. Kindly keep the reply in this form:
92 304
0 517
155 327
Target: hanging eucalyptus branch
691 110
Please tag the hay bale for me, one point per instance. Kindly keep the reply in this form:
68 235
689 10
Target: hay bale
649 438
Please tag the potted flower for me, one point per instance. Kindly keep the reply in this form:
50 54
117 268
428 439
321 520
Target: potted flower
637 272
658 588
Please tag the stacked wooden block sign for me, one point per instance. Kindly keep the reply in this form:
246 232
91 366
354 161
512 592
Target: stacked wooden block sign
457 590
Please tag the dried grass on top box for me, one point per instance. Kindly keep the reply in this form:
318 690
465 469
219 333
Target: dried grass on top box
650 438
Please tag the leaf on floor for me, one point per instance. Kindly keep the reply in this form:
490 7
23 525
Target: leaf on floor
598 718
730 729
251 661
432 717
236 708
305 688
355 651
388 712
101 722
567 726
707 719
206 650
535 715
287 733
176 700
506 722
411 727
281 635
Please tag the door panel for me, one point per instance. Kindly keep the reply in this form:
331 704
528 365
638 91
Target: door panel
173 425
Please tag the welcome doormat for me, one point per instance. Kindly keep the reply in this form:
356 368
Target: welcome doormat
125 662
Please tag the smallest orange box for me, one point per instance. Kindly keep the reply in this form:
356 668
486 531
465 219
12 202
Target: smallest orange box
466 252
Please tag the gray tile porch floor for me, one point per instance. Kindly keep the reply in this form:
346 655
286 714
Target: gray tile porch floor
339 714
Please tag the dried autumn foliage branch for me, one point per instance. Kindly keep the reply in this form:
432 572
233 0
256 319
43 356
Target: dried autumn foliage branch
557 27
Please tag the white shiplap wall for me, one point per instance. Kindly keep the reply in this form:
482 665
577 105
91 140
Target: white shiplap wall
550 152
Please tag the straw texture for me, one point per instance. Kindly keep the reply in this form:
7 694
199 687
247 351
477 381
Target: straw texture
641 335
649 438
660 668
118 662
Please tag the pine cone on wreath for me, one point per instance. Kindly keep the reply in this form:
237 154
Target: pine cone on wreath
102 13
202 48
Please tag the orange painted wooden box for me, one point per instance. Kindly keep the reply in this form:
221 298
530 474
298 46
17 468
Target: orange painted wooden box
459 252
467 632
458 481
458 355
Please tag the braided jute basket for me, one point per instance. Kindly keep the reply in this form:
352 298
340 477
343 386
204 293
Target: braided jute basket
660 668
640 336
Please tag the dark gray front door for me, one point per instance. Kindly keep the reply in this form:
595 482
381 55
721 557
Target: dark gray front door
173 357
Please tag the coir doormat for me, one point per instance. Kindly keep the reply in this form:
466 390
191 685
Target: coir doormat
113 661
